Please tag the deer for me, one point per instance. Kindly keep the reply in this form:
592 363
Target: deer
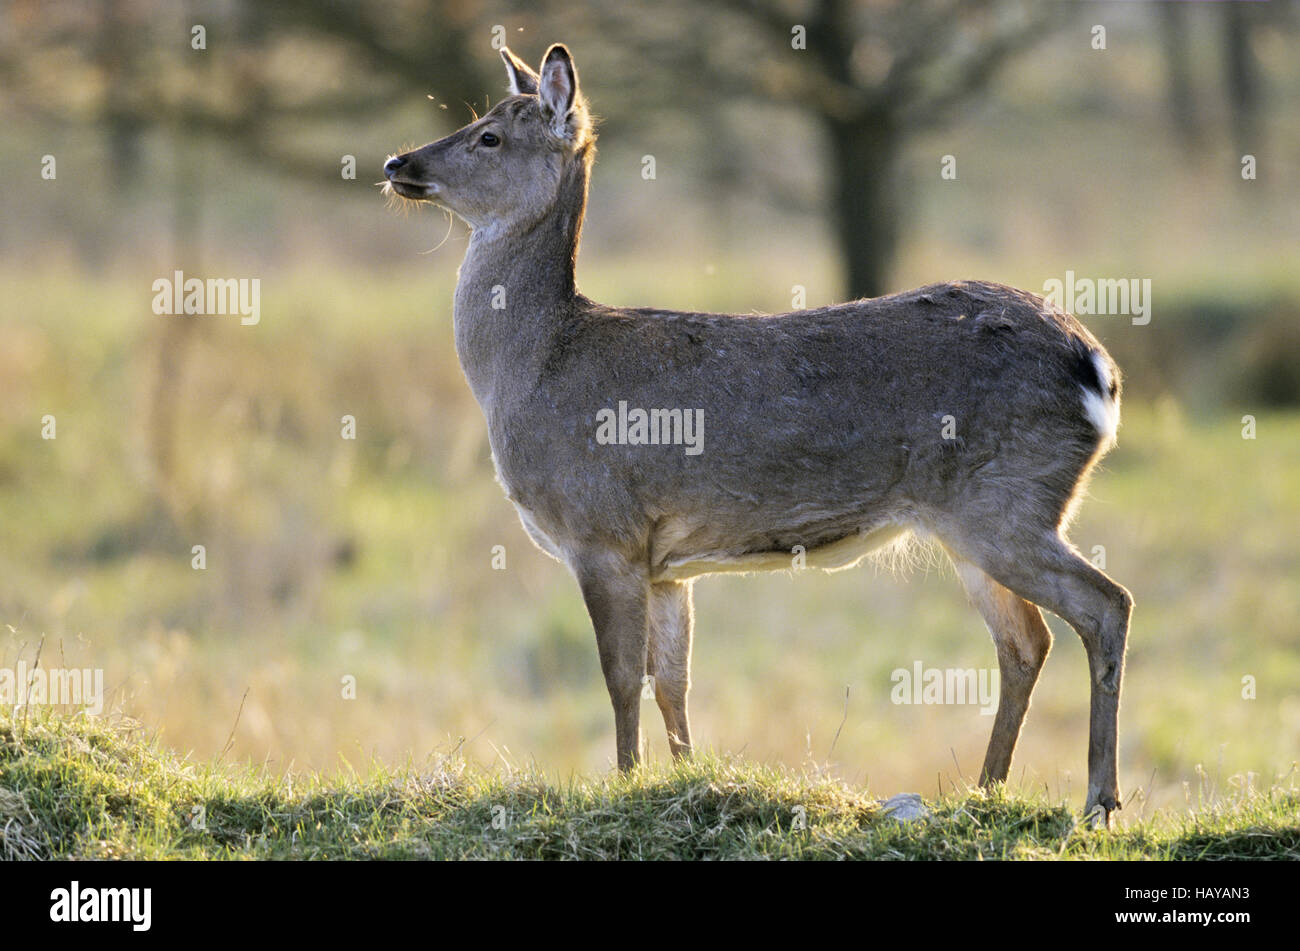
968 415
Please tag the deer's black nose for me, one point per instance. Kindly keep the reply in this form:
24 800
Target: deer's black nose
393 164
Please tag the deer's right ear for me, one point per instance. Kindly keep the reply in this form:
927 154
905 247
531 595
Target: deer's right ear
523 81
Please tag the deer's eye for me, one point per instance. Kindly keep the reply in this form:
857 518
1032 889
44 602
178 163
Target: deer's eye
490 140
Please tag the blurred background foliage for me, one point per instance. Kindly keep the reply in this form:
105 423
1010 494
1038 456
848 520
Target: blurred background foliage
776 166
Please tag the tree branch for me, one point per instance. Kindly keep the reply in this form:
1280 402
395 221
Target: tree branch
977 70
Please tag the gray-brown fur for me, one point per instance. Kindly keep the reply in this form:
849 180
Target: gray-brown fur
823 429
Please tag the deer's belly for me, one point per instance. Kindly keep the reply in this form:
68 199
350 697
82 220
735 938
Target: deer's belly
672 563
679 551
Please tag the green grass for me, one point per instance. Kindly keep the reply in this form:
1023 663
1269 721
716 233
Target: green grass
96 566
79 788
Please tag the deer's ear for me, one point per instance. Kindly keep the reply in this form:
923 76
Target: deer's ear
558 90
523 81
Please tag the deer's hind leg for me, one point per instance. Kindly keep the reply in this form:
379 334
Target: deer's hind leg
1023 640
669 658
1043 568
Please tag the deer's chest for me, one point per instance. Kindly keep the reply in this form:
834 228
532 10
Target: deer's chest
540 536
532 500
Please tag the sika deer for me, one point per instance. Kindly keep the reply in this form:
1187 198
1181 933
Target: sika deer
969 413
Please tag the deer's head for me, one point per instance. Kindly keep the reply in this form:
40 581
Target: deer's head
506 168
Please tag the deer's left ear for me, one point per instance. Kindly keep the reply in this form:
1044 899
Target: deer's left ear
558 90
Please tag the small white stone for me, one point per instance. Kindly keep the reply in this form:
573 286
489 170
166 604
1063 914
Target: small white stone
905 807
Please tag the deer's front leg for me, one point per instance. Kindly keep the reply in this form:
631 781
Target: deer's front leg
617 595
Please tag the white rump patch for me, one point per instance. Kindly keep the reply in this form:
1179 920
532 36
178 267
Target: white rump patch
1102 411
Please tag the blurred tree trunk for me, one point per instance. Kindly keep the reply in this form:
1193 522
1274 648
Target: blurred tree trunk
177 330
1241 77
115 51
117 57
176 333
1178 66
863 201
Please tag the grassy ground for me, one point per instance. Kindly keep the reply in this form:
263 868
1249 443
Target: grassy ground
372 559
83 788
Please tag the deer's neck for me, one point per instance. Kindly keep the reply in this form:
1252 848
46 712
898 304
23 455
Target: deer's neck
516 291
